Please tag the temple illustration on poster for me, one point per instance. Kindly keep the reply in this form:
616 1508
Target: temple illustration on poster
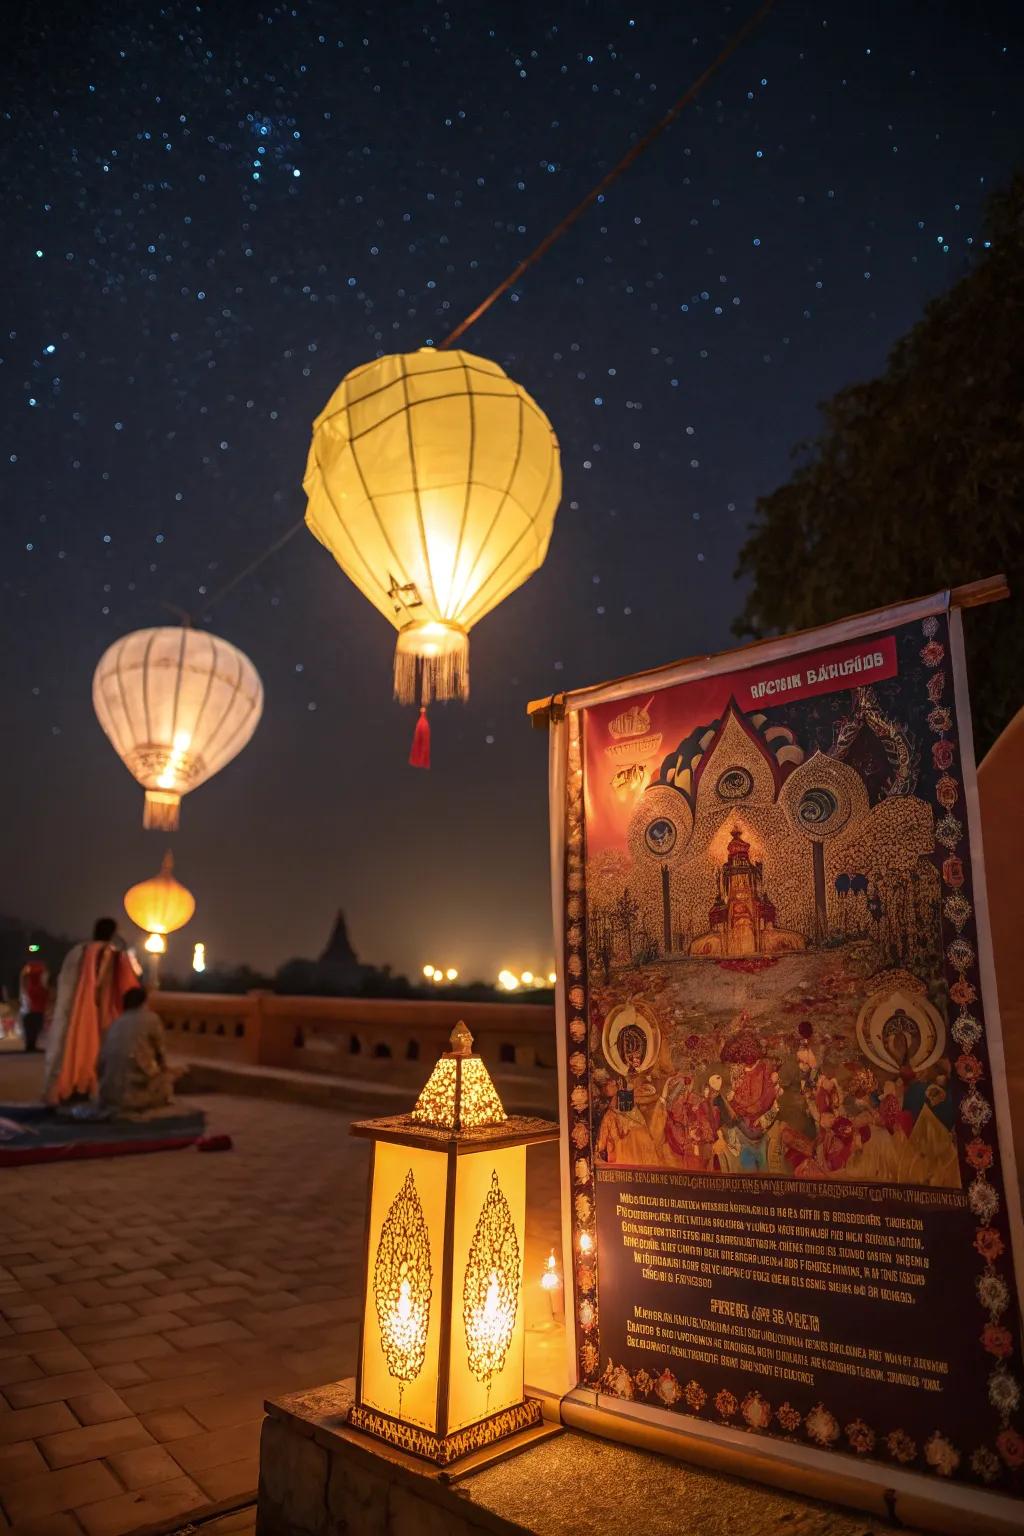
752 852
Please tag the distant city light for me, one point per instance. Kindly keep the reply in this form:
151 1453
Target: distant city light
510 981
199 957
33 949
440 974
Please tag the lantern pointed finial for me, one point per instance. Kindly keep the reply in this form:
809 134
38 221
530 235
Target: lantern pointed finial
460 1040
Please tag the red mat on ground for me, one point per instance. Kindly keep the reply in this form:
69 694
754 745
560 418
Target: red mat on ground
13 1157
32 1133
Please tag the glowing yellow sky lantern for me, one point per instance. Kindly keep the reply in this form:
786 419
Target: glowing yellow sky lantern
177 704
440 1369
433 479
161 905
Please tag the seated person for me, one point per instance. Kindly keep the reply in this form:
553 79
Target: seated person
133 1070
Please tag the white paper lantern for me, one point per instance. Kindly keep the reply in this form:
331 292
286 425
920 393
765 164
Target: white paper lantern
177 704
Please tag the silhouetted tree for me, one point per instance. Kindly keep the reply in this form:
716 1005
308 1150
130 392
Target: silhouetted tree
917 479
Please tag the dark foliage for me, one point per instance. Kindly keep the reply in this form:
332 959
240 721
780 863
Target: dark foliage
916 482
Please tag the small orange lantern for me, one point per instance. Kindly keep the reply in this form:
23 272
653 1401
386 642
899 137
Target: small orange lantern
161 905
440 1370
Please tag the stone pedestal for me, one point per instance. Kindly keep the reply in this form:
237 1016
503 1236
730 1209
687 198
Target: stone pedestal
320 1478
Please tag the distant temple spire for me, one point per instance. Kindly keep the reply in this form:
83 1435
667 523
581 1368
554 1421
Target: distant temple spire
339 949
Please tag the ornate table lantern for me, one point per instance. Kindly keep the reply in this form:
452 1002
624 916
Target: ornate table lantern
440 1370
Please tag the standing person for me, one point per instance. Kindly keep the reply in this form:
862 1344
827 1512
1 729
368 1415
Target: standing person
34 992
90 993
133 1071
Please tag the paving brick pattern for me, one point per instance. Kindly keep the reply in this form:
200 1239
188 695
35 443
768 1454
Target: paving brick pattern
149 1305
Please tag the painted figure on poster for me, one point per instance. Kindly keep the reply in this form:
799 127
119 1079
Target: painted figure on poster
631 1045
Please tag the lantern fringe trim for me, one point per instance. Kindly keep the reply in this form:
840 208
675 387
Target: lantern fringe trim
431 662
162 811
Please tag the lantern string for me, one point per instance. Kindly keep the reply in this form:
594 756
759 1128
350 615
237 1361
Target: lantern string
632 154
247 570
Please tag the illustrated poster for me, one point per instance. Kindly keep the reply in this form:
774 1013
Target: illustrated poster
788 1205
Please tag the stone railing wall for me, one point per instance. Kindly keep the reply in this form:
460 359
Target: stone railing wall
349 1034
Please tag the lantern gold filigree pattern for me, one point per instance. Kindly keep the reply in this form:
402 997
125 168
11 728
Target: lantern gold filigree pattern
177 705
440 1367
161 905
458 1095
433 479
490 1294
401 1284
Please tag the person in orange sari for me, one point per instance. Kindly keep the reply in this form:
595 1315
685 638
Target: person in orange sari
91 988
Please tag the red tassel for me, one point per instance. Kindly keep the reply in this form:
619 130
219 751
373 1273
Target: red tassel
419 757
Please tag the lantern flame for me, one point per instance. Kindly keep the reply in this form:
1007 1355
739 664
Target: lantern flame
490 1317
180 745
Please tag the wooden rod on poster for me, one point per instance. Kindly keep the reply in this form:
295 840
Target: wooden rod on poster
973 594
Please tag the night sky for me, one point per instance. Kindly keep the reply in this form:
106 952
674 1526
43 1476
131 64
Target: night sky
213 212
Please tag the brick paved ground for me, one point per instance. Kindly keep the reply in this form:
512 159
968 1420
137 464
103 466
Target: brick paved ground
149 1304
